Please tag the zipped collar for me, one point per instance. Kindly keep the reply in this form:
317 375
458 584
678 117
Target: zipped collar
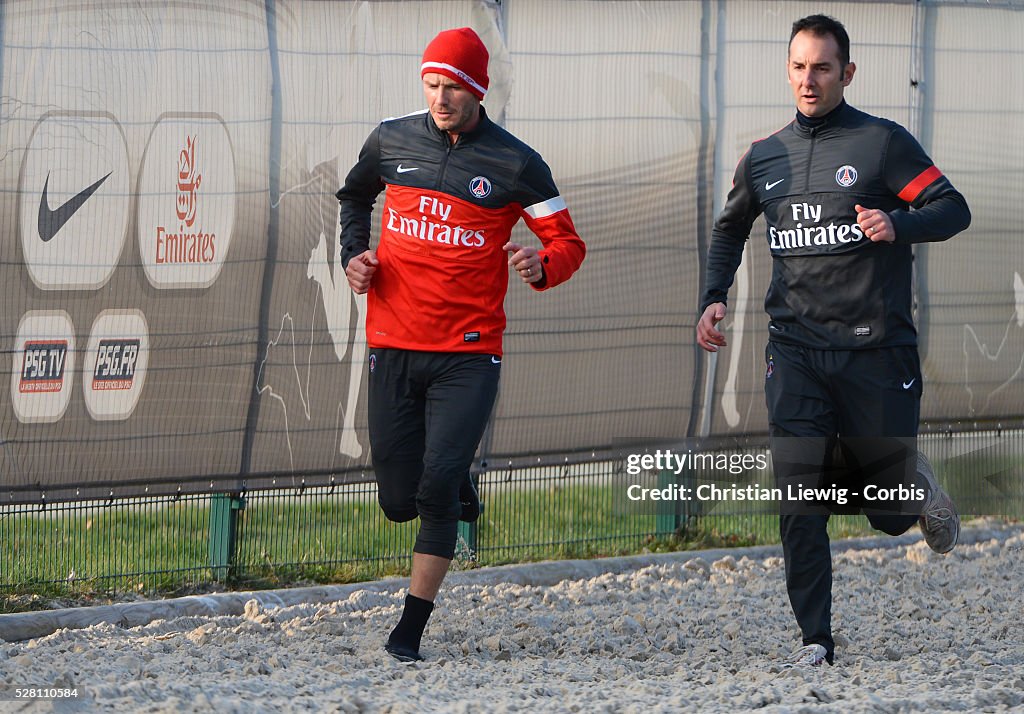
833 119
466 136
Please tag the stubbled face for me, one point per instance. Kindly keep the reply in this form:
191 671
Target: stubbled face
816 74
455 109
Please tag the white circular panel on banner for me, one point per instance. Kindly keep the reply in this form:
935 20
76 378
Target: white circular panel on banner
114 365
44 366
186 201
74 201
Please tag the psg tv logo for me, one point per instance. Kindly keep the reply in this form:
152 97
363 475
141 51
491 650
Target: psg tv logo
846 176
480 187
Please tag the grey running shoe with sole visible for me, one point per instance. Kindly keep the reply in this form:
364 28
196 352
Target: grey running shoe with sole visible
807 656
939 521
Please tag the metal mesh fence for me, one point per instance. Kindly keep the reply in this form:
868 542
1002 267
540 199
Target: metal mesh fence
130 545
277 537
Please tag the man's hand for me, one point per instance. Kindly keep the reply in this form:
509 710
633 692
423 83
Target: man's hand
525 261
876 224
360 271
708 335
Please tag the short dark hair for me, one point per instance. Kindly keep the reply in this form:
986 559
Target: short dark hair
822 26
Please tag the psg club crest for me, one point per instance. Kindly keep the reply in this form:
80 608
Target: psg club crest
846 176
771 367
373 363
480 187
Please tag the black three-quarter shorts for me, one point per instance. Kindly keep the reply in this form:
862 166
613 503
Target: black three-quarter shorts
427 414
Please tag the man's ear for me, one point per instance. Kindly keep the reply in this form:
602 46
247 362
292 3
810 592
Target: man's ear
848 71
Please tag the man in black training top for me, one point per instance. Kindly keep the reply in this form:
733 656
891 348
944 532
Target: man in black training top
845 195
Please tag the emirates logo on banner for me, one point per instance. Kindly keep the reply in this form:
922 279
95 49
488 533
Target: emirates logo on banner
188 182
186 246
186 203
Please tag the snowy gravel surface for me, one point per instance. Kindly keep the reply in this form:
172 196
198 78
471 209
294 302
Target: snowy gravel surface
916 632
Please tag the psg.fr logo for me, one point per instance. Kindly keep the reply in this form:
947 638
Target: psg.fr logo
846 176
480 187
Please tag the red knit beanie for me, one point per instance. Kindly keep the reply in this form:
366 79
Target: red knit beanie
460 55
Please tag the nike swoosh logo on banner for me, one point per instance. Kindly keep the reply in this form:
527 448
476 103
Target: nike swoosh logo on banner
50 222
770 186
407 169
908 385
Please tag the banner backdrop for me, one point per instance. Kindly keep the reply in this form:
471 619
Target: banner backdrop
173 314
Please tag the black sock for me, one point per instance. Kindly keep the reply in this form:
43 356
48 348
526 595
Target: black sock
409 630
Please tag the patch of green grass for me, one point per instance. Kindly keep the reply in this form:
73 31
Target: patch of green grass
87 554
984 484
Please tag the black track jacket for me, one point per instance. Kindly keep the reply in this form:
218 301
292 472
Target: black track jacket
832 287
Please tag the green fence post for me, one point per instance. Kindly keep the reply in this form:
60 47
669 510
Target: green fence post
468 531
667 519
692 508
224 508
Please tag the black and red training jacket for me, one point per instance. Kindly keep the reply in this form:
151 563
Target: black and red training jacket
448 211
831 286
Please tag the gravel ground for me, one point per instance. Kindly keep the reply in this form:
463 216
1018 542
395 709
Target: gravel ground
915 632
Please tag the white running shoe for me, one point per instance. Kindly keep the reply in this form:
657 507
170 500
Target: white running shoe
806 656
939 521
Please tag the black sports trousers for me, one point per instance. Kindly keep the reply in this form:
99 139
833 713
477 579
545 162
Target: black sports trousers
427 413
847 418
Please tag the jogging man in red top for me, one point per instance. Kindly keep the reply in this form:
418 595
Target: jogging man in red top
454 185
